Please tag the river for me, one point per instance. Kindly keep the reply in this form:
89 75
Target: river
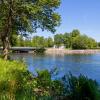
86 64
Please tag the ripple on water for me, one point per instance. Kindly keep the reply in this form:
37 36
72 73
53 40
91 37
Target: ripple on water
88 65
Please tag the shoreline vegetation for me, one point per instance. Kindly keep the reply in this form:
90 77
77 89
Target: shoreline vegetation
17 83
18 20
59 51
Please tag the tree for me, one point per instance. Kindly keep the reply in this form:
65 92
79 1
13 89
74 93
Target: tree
67 40
27 42
25 16
98 44
58 39
35 41
75 33
75 40
50 42
13 40
38 41
83 42
79 43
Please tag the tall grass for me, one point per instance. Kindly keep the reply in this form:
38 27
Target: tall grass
17 83
81 88
14 78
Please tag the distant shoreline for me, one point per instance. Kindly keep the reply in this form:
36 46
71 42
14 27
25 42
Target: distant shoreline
65 51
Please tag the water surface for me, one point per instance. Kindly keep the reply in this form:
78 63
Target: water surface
88 65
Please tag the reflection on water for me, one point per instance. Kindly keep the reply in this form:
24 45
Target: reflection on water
88 65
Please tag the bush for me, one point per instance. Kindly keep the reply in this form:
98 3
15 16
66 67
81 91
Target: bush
46 87
83 42
17 83
81 88
14 78
40 51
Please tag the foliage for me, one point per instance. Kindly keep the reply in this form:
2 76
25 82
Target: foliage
17 83
98 44
40 41
83 42
50 42
36 41
52 88
14 79
40 51
75 33
30 15
67 40
26 16
58 40
81 88
75 40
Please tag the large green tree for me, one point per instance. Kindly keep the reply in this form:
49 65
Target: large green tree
25 16
58 39
75 40
67 40
38 41
50 42
83 42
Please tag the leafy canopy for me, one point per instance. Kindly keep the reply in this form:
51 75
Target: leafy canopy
28 15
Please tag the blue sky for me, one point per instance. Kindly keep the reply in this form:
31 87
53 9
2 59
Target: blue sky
78 14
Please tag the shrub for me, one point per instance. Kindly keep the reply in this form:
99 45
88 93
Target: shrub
14 78
81 88
40 51
17 83
83 42
48 87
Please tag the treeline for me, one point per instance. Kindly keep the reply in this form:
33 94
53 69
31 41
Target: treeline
75 40
72 40
36 41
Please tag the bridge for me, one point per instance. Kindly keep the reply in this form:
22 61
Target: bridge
24 49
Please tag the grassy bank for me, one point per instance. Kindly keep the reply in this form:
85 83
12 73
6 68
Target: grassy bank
17 83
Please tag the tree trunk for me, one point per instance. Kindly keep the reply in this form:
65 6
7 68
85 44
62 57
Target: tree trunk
7 32
6 45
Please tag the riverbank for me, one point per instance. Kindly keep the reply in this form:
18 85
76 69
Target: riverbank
65 51
17 83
